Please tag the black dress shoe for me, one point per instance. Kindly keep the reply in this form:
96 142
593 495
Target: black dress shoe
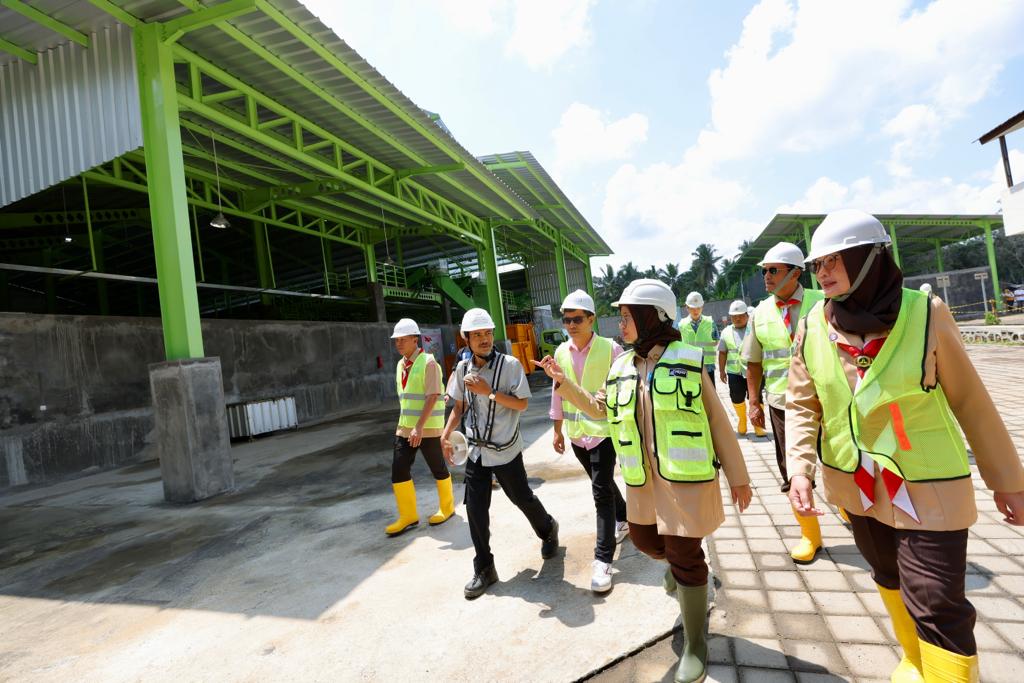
549 548
479 583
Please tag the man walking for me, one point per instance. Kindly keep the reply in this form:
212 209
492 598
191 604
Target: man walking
700 331
767 349
587 358
731 367
491 392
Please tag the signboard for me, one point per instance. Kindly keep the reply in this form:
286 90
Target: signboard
981 276
1012 202
432 342
942 280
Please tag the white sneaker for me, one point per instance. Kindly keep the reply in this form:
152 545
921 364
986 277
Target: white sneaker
621 531
601 579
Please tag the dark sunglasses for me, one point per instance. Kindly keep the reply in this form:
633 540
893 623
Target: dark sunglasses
824 263
774 270
574 320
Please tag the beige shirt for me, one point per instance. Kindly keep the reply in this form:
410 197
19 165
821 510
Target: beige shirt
752 352
941 505
432 386
679 509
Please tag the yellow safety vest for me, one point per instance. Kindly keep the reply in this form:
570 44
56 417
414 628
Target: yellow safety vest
776 344
734 363
702 338
682 435
595 371
412 397
903 425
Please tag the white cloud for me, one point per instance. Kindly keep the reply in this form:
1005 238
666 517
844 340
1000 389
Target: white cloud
586 136
478 18
545 30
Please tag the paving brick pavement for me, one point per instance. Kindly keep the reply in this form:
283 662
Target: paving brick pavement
773 620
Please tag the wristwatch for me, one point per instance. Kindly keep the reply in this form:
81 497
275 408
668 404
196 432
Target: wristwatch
491 396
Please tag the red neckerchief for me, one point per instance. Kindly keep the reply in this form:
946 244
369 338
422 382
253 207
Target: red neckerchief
785 316
863 357
406 366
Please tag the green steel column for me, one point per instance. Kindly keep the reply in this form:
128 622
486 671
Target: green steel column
488 257
990 247
895 246
807 246
563 283
370 256
168 206
589 277
938 256
328 257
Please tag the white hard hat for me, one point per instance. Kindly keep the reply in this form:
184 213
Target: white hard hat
405 327
578 301
649 292
926 288
737 308
694 300
784 252
476 319
846 229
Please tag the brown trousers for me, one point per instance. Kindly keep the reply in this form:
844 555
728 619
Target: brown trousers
928 569
778 418
684 554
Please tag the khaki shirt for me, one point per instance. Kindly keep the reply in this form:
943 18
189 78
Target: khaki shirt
941 505
432 386
679 509
752 352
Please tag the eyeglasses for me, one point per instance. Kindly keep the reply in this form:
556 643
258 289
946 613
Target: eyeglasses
824 263
774 270
574 320
625 320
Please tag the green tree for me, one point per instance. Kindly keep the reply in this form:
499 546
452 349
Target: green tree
705 266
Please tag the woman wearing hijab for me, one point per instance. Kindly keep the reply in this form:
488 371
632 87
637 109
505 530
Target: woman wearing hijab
878 386
671 435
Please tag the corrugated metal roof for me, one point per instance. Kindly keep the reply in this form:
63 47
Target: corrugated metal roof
350 99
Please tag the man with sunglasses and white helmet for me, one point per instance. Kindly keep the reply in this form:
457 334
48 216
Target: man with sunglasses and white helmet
731 368
767 351
491 392
587 357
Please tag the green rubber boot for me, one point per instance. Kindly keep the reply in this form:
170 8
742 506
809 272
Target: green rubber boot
693 604
669 582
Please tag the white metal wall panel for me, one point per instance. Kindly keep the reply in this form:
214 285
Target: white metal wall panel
77 108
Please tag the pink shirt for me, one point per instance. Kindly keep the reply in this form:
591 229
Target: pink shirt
579 359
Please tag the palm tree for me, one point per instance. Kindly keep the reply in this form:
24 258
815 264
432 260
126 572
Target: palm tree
704 266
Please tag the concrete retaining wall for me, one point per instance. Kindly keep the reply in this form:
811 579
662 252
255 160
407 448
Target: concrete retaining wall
992 334
74 390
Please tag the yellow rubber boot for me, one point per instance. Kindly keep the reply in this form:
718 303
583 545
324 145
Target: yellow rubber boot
741 413
909 668
943 666
445 501
842 513
405 498
810 539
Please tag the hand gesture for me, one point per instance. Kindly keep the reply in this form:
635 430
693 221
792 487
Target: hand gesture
478 385
551 369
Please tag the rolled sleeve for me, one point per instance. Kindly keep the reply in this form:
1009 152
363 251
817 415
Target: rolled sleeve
752 351
518 385
455 388
555 411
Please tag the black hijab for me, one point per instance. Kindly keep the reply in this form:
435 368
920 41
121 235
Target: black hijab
874 306
651 329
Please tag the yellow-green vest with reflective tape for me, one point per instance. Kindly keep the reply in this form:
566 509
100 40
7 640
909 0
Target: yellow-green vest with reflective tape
702 338
776 344
595 371
734 364
411 398
903 425
682 436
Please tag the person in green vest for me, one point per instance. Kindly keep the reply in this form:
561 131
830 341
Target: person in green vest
700 331
587 357
671 436
420 423
880 389
732 370
767 350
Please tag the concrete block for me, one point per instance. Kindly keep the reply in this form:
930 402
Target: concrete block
191 429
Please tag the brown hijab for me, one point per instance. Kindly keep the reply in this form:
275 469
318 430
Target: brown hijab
651 329
874 306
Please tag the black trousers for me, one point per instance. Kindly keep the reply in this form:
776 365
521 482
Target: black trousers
404 455
608 502
710 369
928 568
737 388
778 418
512 477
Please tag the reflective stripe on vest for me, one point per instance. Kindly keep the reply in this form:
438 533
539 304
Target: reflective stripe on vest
413 396
682 435
595 371
903 426
702 338
776 344
734 364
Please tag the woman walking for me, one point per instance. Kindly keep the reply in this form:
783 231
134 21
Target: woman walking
671 435
879 383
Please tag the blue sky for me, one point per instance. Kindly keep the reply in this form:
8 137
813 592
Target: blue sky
671 122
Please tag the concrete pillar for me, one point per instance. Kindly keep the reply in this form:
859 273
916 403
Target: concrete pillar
378 313
191 429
